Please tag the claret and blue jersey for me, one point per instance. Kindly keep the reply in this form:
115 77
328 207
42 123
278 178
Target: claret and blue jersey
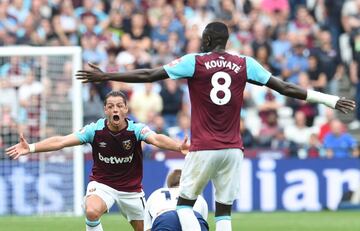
216 84
117 155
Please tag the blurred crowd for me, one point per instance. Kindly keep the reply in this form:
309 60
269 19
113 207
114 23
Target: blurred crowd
313 43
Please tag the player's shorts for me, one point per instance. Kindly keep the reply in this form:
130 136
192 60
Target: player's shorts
169 221
221 166
131 204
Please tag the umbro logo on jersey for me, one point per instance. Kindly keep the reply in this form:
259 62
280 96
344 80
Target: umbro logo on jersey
102 144
92 190
127 144
221 57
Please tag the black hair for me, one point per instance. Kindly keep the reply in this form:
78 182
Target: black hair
218 31
115 94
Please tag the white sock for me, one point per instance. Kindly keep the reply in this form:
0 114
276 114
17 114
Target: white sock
187 218
223 223
93 225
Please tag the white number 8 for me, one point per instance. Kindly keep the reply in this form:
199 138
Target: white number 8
220 87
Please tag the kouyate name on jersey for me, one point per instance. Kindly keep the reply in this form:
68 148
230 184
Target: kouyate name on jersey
116 160
222 63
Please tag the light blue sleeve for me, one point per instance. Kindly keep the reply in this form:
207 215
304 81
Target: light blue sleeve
87 133
141 130
182 67
256 73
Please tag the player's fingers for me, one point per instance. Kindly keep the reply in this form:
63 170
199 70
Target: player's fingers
9 149
17 156
12 153
348 102
185 139
93 66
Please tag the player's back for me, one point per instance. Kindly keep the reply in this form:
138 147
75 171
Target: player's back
216 93
216 83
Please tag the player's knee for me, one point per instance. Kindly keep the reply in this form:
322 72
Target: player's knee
92 213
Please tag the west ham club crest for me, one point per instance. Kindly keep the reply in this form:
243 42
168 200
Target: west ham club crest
127 144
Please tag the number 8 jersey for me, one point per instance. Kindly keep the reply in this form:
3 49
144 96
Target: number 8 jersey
216 84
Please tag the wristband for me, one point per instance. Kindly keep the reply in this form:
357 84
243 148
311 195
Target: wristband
32 148
318 97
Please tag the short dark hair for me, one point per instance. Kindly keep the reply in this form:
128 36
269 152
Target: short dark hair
218 30
173 180
115 94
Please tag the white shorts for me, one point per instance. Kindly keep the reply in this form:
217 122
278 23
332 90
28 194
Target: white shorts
222 167
131 204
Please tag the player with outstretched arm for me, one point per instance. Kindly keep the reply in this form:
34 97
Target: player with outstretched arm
160 209
118 161
216 81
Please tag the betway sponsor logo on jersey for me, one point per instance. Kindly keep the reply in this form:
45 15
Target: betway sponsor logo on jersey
116 160
222 63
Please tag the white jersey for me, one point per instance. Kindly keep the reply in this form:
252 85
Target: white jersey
165 199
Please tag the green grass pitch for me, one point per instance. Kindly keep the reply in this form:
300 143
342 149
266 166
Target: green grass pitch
277 221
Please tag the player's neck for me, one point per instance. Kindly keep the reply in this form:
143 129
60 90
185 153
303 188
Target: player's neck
219 49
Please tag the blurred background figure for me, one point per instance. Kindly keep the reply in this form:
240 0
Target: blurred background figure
340 144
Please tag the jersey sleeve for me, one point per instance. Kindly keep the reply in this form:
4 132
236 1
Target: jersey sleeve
86 134
256 73
183 67
142 131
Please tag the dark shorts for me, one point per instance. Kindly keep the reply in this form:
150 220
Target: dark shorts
169 221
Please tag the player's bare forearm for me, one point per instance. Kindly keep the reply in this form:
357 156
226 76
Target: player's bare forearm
291 90
287 89
165 142
133 76
56 143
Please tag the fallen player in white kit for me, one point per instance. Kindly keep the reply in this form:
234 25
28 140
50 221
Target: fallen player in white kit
160 210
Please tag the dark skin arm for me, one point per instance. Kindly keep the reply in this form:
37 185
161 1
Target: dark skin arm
155 74
133 76
291 90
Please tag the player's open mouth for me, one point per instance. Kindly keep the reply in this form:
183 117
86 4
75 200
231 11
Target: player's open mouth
116 117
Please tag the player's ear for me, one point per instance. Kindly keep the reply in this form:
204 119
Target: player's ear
126 108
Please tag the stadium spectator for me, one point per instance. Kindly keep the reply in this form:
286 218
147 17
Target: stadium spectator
355 73
313 149
139 33
248 138
281 143
172 96
340 144
108 182
317 76
142 103
66 24
298 132
182 129
296 60
268 129
329 60
310 110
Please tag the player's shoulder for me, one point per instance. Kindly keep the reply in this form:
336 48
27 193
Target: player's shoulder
134 126
97 125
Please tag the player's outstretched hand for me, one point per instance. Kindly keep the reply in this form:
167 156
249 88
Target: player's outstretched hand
345 105
184 148
94 75
19 149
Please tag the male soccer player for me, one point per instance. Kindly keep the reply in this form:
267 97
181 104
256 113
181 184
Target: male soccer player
160 209
117 171
216 81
